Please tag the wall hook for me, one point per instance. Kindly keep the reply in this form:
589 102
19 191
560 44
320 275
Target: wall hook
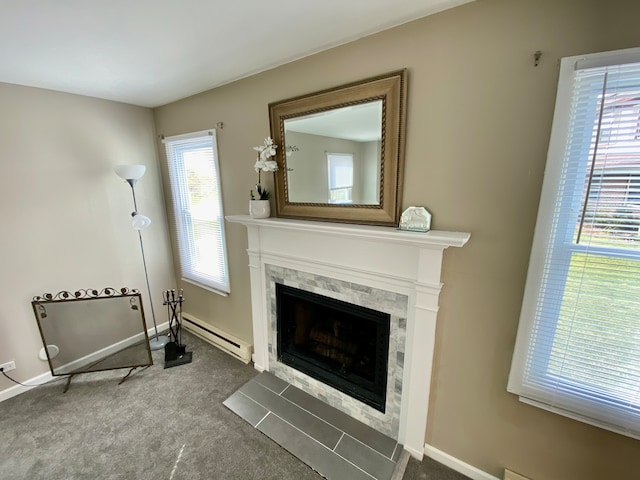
536 58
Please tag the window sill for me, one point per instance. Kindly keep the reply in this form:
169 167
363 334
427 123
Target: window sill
206 287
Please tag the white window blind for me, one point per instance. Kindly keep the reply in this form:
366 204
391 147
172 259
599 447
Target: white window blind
192 162
578 345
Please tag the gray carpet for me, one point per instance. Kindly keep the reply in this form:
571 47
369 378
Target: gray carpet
159 424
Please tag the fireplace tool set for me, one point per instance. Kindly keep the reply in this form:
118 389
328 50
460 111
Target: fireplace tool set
175 351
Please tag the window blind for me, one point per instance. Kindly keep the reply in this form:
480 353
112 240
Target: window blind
198 218
578 345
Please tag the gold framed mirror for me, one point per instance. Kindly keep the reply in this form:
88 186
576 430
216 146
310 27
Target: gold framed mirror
341 152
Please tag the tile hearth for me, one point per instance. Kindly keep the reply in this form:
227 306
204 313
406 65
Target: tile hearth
329 441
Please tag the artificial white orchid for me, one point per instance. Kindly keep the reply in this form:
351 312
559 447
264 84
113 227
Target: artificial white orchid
267 150
264 164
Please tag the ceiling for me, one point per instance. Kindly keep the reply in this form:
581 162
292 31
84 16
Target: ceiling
153 52
360 123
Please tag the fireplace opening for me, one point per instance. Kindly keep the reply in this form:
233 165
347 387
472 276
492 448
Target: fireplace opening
341 344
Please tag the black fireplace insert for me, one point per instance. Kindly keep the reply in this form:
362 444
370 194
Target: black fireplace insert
341 344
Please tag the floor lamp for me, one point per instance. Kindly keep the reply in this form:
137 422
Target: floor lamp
132 173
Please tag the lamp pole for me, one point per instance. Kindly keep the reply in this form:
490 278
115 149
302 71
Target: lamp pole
132 173
158 342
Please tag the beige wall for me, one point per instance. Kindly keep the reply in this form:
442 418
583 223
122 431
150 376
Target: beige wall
65 214
479 118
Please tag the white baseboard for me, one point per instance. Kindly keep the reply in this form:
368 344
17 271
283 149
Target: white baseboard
81 363
456 464
45 377
417 454
162 328
18 389
258 367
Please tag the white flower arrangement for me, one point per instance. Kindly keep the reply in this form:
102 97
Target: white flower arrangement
264 164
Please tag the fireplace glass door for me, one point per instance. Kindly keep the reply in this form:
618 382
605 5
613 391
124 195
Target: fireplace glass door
341 344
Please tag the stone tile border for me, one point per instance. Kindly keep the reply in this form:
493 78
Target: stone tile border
395 304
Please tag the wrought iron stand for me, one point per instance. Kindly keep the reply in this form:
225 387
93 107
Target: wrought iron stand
175 351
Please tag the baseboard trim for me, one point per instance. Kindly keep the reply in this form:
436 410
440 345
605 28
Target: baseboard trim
46 377
417 454
257 366
456 464
163 329
98 355
29 384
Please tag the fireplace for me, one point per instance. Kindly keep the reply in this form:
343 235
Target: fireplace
341 344
380 268
351 295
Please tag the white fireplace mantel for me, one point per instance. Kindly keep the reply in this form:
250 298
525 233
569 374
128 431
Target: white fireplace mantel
409 263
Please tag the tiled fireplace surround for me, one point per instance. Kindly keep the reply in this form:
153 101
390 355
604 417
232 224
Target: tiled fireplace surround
394 304
377 267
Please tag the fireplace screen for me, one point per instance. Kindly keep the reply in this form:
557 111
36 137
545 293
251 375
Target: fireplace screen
92 330
341 344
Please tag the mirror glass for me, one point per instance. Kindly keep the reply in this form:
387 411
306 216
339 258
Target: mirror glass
333 157
341 152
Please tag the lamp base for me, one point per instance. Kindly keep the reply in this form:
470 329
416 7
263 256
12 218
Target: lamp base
158 342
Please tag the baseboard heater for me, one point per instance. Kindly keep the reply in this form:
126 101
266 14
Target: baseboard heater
227 343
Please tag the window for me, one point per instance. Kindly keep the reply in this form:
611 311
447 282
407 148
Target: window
578 346
197 209
340 167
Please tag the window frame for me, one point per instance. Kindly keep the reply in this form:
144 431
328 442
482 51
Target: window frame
572 400
182 217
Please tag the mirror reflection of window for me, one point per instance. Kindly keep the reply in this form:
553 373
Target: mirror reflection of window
356 129
340 168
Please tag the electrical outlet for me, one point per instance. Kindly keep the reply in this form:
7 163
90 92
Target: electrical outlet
6 367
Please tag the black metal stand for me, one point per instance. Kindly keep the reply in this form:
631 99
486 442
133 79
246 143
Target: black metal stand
66 386
175 352
71 375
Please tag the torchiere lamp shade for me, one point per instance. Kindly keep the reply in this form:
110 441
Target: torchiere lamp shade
130 172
